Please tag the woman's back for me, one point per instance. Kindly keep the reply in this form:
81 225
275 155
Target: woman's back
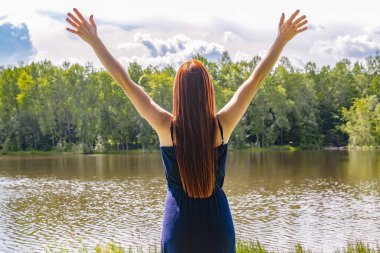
196 224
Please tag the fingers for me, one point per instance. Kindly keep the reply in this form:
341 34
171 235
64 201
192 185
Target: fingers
301 30
300 24
292 26
282 19
71 30
79 15
292 17
299 19
92 20
74 18
72 23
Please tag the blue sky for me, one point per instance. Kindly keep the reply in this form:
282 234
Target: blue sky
170 32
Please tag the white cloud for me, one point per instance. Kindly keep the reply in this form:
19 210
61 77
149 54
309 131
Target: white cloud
316 27
129 46
172 51
151 31
347 46
230 36
263 53
240 56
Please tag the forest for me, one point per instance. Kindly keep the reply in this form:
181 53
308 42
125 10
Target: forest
80 108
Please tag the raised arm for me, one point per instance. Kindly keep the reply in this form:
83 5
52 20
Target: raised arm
148 109
234 110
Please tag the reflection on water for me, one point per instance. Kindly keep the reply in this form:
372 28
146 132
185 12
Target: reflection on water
319 198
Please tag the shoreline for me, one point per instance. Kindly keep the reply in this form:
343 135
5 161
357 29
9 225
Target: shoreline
139 151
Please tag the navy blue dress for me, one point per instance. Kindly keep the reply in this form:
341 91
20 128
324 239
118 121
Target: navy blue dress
194 224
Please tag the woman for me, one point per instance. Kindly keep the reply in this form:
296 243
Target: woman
193 141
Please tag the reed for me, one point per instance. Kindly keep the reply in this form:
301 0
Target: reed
358 246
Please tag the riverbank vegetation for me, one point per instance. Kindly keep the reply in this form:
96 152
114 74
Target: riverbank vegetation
241 247
75 108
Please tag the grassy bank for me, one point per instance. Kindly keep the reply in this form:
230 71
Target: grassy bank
241 247
52 152
131 151
276 148
136 151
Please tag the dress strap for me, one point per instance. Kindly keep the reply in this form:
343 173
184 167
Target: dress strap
221 130
171 131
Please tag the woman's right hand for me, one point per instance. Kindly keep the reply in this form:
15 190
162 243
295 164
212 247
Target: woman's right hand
291 27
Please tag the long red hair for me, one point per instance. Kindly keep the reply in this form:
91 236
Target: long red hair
194 125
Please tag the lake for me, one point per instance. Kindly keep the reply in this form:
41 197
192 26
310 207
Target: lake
321 199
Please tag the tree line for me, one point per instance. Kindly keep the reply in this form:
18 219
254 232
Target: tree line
79 108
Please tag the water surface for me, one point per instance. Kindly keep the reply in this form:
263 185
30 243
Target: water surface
321 199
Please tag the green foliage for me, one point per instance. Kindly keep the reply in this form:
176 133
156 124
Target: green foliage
74 108
363 122
109 247
247 247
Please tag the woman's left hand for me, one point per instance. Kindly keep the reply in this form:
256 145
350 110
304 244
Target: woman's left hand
85 30
291 27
